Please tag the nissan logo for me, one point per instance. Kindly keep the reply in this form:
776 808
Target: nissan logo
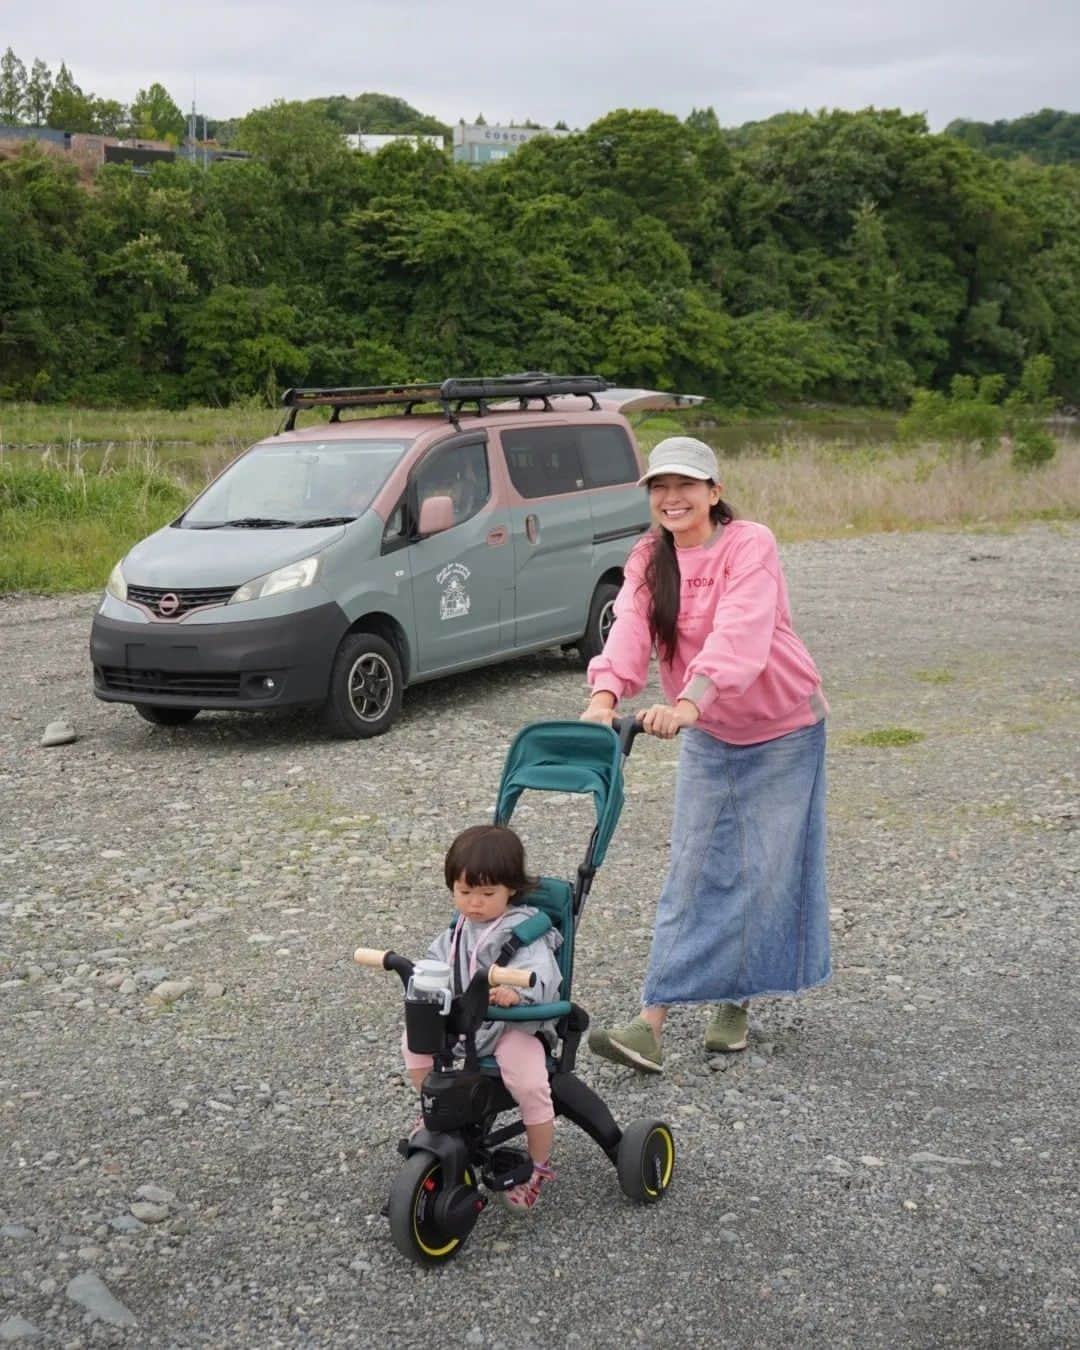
168 605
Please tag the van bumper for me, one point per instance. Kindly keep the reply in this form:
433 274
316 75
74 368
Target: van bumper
256 663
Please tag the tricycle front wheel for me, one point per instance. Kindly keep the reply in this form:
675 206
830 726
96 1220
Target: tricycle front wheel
416 1198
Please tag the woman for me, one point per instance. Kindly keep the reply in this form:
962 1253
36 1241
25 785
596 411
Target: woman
743 912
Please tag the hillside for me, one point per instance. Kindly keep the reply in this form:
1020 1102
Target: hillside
375 113
1049 136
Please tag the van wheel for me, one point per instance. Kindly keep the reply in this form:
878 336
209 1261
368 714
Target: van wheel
166 717
365 687
601 617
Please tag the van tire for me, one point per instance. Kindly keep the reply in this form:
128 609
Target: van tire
599 622
166 717
365 687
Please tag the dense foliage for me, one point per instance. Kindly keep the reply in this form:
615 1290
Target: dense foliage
842 256
377 114
1049 136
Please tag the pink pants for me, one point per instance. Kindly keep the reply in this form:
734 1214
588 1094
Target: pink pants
522 1062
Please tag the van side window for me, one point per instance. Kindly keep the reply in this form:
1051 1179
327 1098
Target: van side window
459 472
607 456
395 531
543 461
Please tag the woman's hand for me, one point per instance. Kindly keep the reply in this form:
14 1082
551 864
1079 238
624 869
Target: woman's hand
503 997
666 721
601 708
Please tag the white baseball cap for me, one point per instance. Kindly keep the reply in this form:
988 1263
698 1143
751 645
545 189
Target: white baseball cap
682 454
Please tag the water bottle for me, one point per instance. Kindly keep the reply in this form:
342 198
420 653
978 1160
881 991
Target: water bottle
427 1002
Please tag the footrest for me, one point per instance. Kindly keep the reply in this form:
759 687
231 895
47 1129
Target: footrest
509 1167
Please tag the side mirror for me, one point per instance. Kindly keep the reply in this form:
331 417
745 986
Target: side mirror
436 515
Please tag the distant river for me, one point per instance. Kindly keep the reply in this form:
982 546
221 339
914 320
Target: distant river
746 438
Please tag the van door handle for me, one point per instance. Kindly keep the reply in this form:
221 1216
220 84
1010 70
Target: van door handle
532 528
497 536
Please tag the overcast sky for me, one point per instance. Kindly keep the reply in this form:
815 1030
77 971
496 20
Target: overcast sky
571 59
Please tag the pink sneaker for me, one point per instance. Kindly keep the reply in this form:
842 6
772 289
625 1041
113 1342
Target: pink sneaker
520 1199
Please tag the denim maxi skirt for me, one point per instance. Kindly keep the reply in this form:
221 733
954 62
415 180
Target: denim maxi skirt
743 911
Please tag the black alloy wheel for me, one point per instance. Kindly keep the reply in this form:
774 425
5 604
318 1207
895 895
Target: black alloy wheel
600 621
365 687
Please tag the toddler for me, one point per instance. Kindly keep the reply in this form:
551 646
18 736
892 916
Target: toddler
485 873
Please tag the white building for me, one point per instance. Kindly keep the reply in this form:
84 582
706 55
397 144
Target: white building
370 142
481 145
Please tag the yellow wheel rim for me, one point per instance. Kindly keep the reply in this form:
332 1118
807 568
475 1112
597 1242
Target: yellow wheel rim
663 1135
423 1246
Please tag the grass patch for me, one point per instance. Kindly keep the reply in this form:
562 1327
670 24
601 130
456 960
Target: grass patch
61 427
935 676
97 481
63 531
887 736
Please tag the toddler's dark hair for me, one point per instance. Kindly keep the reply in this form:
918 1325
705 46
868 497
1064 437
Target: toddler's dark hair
488 855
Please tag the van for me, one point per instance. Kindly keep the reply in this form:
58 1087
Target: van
335 564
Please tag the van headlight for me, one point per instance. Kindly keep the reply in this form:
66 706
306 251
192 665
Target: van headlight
116 586
294 577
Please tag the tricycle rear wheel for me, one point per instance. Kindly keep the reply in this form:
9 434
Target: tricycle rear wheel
646 1160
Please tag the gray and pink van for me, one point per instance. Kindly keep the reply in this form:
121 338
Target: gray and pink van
333 565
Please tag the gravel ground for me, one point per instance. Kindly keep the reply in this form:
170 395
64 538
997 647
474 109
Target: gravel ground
890 1164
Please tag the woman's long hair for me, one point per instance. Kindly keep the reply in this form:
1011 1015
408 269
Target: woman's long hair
664 582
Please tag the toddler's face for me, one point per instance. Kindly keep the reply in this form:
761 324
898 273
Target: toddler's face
482 903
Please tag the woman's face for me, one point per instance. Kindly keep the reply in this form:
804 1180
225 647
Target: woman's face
682 506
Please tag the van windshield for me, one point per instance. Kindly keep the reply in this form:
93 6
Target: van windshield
296 484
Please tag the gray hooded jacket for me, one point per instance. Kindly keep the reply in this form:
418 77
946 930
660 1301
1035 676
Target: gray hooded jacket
538 956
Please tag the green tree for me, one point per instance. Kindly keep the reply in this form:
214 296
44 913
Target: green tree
703 120
1026 410
243 341
1048 136
378 114
69 108
297 143
49 327
13 99
968 417
154 115
110 117
38 92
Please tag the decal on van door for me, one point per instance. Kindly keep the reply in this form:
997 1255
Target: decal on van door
454 602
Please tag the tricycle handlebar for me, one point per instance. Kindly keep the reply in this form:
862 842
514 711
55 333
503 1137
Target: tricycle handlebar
368 956
518 979
388 960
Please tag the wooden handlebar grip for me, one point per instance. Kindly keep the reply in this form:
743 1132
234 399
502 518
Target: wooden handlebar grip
368 956
517 979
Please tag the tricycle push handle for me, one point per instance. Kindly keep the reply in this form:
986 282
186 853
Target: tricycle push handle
627 729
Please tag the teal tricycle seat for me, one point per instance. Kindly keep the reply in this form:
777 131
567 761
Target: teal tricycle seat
555 901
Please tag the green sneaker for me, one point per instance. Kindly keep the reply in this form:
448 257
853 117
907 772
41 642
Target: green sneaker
727 1030
633 1045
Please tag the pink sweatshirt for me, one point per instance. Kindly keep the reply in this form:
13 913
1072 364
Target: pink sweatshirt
737 656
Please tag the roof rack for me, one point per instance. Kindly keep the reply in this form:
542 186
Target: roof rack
451 394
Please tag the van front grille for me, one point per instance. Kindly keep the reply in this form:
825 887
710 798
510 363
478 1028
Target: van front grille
185 600
204 684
